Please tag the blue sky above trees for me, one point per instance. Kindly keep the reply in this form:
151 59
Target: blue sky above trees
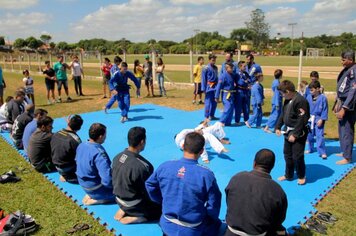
141 20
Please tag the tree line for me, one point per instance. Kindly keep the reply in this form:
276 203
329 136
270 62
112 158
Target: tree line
256 33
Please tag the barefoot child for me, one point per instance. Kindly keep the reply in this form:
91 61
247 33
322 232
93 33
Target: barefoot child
28 82
257 102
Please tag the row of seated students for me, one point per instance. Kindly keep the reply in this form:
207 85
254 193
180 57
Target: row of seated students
182 194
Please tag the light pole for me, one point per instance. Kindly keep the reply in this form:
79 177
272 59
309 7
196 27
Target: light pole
190 60
292 24
196 31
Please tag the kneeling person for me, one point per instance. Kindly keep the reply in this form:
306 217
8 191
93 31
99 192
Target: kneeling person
64 145
94 167
130 171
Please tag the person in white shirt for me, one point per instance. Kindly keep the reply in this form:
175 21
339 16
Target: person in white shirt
77 72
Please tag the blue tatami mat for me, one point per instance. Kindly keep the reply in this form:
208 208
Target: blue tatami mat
163 123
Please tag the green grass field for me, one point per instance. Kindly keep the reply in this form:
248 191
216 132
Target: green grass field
55 212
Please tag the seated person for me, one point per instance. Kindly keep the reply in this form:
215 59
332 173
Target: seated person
64 145
94 168
256 205
5 125
188 192
130 170
19 126
39 148
31 127
15 106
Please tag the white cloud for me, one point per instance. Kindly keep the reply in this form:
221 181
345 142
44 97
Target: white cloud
23 24
197 2
17 4
269 2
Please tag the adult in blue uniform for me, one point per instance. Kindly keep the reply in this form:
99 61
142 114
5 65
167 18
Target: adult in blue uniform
252 68
318 104
114 69
226 84
94 168
276 102
345 107
188 192
119 88
208 86
229 59
242 102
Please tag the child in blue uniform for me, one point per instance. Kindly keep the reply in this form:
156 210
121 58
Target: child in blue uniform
114 69
318 104
243 94
94 168
188 192
276 102
208 86
226 84
119 88
256 102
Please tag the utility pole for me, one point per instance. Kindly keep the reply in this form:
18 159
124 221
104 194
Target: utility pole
292 24
196 31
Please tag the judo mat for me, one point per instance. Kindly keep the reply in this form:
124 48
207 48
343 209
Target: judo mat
163 123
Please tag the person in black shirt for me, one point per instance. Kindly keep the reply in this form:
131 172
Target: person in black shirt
130 170
64 145
256 205
295 116
19 125
15 106
50 79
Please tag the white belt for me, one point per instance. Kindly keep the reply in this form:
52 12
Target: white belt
312 121
128 203
241 233
182 223
288 130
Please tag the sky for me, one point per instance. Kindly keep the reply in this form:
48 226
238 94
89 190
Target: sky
176 20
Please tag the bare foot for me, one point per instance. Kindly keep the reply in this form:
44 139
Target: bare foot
85 199
302 181
247 124
132 220
343 161
206 161
119 214
307 152
324 156
266 129
62 179
225 141
282 178
224 150
339 154
105 109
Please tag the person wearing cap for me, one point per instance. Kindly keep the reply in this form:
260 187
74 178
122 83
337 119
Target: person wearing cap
147 72
114 69
345 106
60 68
208 86
226 85
256 204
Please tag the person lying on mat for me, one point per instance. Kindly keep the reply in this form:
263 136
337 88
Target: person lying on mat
130 170
64 144
188 192
39 148
256 205
94 168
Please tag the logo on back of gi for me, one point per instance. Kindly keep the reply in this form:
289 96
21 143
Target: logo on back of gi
181 172
123 158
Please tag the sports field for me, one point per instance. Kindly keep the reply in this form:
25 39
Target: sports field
56 213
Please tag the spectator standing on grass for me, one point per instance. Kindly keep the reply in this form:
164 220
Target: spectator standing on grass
256 205
77 73
2 87
60 68
197 72
160 77
105 68
138 72
276 102
50 80
208 86
147 71
28 82
345 106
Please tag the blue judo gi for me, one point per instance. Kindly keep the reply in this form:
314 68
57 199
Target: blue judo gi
276 105
252 69
346 94
119 82
257 98
318 111
190 198
242 101
209 80
94 171
227 85
235 69
114 69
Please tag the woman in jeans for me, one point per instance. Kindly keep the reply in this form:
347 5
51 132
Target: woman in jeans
160 76
138 72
